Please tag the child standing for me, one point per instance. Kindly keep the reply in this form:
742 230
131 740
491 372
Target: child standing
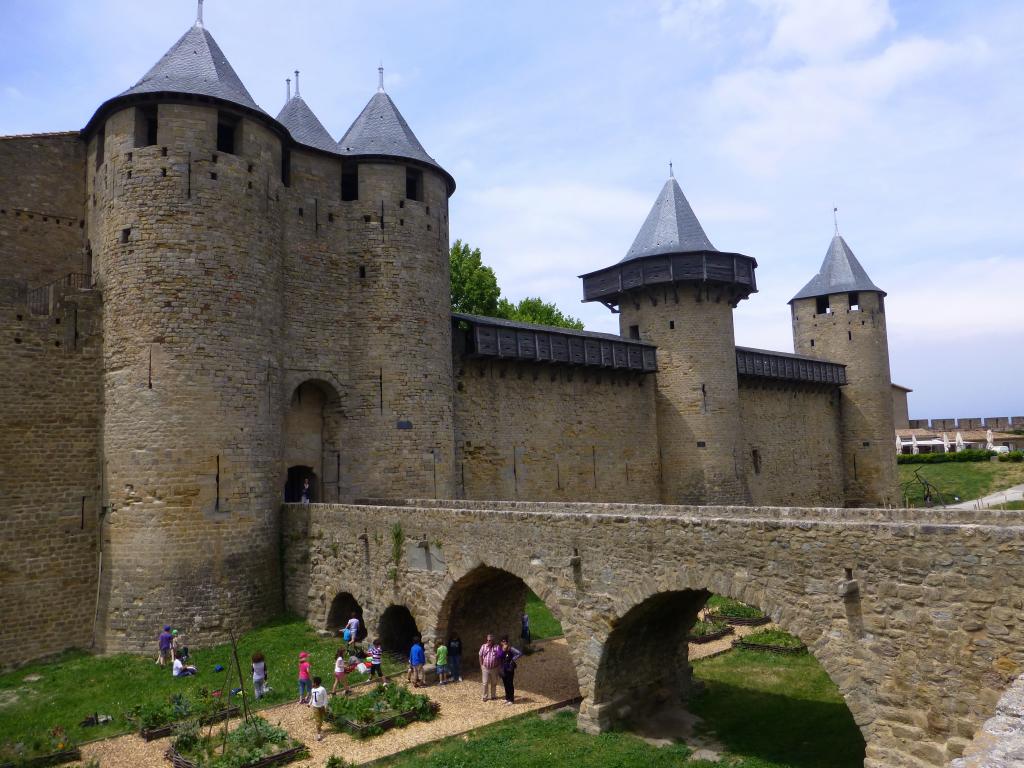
417 658
441 663
352 625
339 673
376 655
259 675
164 643
305 684
455 658
318 701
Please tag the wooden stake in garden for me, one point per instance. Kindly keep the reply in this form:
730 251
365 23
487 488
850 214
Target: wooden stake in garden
246 714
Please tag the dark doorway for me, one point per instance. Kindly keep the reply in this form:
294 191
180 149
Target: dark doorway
342 608
296 478
397 629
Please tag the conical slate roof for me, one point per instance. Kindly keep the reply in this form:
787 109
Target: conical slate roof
840 273
381 131
671 227
304 126
195 64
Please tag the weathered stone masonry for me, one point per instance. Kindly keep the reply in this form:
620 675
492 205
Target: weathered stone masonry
919 634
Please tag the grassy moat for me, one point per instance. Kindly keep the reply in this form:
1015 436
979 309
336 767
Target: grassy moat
759 709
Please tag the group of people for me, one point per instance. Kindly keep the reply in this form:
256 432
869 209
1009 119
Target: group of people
498 661
171 648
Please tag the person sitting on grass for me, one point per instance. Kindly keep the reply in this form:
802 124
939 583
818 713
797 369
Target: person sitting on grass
318 702
417 658
339 673
180 669
441 663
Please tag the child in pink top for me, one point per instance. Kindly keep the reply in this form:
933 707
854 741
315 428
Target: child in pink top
305 681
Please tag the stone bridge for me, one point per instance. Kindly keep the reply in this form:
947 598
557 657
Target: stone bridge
915 615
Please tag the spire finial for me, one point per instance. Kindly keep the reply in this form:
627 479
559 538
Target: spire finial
199 14
296 83
671 173
380 78
288 89
835 218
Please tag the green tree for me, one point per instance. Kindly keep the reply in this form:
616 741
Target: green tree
474 287
533 309
475 291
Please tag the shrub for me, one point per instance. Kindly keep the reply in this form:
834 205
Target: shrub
734 609
249 742
774 637
381 703
971 454
36 746
1012 456
336 761
705 628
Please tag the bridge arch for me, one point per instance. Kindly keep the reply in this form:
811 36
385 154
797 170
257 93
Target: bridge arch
396 627
342 607
642 662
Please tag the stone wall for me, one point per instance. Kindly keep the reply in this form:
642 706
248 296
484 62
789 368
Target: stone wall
916 621
543 432
697 401
900 408
188 249
50 400
42 207
858 339
792 437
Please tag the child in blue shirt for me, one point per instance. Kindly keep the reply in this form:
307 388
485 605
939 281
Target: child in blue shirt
417 658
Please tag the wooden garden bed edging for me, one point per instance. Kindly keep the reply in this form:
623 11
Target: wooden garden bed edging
361 730
54 758
711 637
737 621
783 649
279 758
159 731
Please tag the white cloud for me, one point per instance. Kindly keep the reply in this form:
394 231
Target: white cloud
819 30
773 113
694 19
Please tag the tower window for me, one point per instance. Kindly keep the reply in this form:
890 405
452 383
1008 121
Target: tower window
822 307
349 180
145 126
854 298
414 184
286 167
671 325
634 331
755 455
812 342
228 138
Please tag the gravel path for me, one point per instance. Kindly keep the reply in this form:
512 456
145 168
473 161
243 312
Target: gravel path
703 650
542 679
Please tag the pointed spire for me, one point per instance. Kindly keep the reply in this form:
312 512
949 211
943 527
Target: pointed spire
840 272
199 14
287 90
297 84
671 175
380 78
304 126
835 218
670 227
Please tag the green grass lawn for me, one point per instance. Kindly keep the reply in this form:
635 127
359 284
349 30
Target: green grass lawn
79 684
768 711
543 623
968 480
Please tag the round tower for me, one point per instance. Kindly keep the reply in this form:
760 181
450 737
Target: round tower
183 171
840 316
674 289
395 207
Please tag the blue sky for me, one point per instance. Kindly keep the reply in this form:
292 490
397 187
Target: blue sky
558 121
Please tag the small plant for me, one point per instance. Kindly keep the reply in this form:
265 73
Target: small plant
393 574
775 637
336 761
334 548
705 628
393 704
727 607
249 743
397 543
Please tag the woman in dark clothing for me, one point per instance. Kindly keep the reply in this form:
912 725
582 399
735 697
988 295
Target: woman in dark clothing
455 658
509 658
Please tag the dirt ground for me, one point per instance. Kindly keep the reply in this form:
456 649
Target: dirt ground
543 678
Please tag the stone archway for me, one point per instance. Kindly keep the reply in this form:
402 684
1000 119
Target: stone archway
343 606
312 437
396 628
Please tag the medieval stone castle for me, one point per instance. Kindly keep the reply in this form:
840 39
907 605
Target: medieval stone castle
202 306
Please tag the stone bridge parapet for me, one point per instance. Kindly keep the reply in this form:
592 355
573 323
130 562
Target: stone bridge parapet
916 616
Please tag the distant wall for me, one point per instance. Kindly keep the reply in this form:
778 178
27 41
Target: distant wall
42 207
900 410
795 431
50 399
548 433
